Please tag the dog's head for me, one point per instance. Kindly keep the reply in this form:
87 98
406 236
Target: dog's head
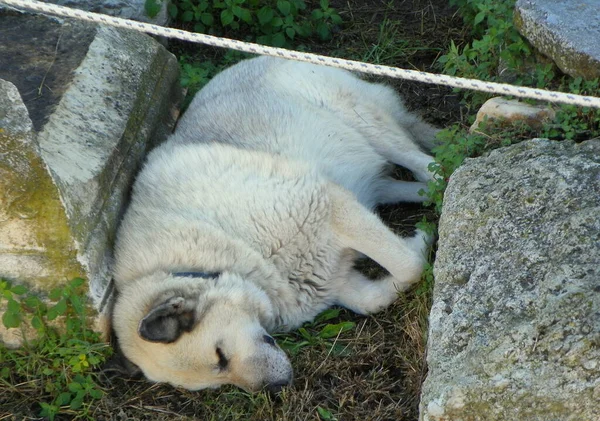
200 333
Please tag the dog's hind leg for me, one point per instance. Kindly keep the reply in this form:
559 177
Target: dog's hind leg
396 145
383 97
365 296
359 229
378 113
394 191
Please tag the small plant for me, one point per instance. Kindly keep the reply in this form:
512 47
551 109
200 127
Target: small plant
318 333
497 49
194 75
497 45
572 122
60 362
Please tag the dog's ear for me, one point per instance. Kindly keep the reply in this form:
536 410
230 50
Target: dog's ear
167 321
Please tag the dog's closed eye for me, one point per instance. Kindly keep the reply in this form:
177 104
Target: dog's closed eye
223 361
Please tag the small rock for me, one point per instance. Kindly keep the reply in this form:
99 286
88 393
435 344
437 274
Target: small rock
507 111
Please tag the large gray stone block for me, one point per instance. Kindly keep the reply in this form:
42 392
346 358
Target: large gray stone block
566 31
515 324
88 104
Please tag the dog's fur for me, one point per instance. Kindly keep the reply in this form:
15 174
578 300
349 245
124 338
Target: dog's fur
269 182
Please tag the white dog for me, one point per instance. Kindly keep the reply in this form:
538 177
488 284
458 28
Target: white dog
249 218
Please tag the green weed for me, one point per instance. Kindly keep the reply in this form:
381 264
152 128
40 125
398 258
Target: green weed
318 334
275 22
56 368
572 122
495 51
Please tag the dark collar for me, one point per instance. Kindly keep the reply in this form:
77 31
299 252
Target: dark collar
205 275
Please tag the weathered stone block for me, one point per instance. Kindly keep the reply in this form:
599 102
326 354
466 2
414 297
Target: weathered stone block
515 324
98 98
35 241
566 31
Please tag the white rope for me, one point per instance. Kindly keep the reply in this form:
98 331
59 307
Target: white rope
456 82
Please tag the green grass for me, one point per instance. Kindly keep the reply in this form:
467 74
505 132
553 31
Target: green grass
391 46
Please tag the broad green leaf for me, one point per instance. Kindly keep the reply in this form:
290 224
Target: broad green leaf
237 11
279 39
63 399
37 323
33 302
96 393
226 17
317 14
336 19
13 306
19 289
76 403
55 294
152 7
207 19
331 331
479 17
265 15
325 414
187 16
75 387
11 320
77 282
60 307
172 9
284 7
329 314
246 16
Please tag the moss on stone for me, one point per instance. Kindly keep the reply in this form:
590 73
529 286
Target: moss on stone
31 200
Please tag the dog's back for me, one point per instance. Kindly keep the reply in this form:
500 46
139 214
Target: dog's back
301 111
